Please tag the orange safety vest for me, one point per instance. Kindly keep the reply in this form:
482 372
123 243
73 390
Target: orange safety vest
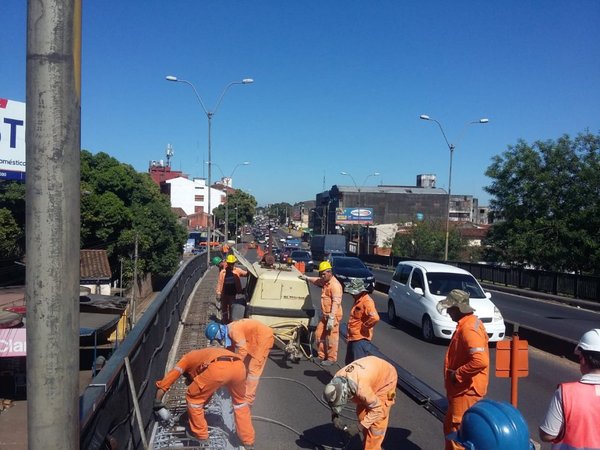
363 317
236 273
469 356
581 417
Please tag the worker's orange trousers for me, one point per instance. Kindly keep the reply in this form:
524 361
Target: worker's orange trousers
327 340
231 374
374 435
457 406
256 365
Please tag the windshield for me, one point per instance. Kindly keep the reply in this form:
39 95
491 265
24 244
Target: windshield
353 263
442 283
300 255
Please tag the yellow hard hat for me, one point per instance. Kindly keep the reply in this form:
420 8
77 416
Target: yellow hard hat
230 259
325 265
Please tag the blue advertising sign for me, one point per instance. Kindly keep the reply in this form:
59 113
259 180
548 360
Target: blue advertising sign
354 216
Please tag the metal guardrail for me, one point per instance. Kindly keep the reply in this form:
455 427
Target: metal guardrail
107 405
583 287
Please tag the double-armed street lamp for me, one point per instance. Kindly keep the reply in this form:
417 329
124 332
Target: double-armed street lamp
451 147
374 174
245 163
209 116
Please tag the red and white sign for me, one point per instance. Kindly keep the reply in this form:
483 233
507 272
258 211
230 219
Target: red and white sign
13 342
12 139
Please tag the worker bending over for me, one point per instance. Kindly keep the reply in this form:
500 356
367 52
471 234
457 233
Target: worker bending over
251 340
370 382
206 370
327 333
229 286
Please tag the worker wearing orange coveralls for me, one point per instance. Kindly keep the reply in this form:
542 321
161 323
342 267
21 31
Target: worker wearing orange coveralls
228 286
251 340
467 361
370 382
328 328
362 319
207 370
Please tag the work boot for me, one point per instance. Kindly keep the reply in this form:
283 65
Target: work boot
249 446
328 362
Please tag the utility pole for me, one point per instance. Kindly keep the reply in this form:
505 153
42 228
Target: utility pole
53 198
133 298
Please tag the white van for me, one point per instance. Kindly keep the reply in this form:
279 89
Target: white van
418 286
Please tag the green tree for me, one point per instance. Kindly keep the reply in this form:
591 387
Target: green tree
546 200
245 204
426 240
10 235
119 205
12 198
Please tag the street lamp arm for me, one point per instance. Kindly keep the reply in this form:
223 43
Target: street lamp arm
244 81
172 78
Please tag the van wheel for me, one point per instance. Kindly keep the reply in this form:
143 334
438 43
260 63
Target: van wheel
427 329
392 312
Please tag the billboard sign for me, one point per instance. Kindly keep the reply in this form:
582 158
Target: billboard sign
12 139
354 216
13 342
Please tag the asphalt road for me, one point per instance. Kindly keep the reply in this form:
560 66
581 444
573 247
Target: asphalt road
288 414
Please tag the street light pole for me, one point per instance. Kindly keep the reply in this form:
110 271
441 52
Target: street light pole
209 115
451 147
374 174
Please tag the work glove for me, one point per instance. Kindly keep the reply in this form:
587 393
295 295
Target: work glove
303 277
330 323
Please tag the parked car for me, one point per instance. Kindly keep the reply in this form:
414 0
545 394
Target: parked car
305 257
345 267
418 286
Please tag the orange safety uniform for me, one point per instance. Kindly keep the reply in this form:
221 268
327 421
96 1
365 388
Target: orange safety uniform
207 370
375 381
581 416
331 304
363 317
228 286
468 357
252 340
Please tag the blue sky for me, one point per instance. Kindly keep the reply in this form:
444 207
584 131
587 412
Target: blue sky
339 85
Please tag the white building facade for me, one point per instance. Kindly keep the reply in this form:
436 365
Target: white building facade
192 195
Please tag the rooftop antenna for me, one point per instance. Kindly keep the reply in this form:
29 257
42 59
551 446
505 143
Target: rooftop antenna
170 154
323 181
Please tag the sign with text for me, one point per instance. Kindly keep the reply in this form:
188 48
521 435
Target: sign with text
12 139
354 216
13 342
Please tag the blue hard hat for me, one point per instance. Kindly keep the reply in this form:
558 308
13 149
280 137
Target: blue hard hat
493 425
212 331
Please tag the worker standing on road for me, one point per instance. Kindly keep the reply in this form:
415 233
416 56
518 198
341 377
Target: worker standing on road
573 418
467 361
229 286
252 341
328 328
370 382
206 370
363 317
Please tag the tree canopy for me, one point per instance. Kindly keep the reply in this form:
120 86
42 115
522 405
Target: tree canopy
245 204
546 204
427 240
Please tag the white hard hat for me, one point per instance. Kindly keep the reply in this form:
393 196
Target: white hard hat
590 341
